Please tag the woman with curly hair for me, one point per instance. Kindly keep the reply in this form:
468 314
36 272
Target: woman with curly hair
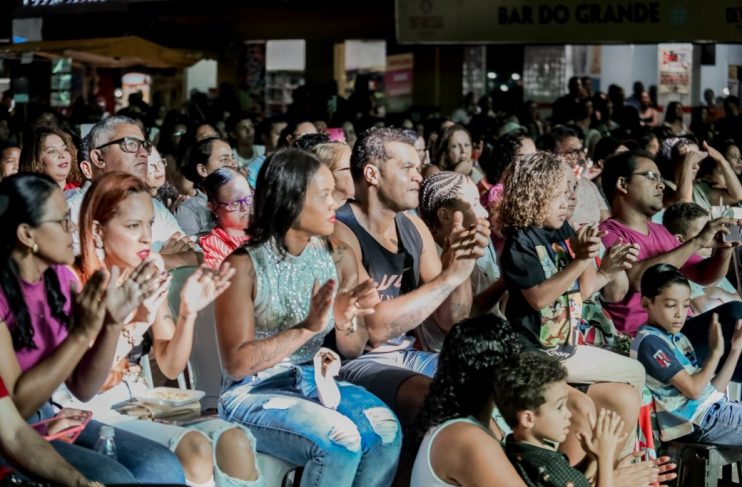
458 447
549 270
53 153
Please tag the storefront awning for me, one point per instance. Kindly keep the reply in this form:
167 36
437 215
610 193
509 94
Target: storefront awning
111 52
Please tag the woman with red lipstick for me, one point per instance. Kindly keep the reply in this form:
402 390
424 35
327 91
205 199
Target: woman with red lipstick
53 153
292 288
115 231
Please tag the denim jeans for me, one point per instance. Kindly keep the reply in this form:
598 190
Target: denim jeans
697 331
139 460
722 425
358 444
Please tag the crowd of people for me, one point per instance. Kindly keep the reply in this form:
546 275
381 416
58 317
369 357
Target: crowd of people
440 302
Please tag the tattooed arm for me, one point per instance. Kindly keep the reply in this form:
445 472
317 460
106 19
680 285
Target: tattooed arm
241 353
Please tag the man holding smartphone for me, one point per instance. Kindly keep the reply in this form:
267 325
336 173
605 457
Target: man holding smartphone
633 185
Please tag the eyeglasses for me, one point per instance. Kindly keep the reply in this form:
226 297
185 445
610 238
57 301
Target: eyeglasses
130 145
651 175
65 223
152 167
235 205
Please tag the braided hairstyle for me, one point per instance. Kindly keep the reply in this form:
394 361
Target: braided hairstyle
473 349
436 191
26 196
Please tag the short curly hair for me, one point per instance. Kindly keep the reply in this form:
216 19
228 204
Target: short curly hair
521 381
527 191
370 148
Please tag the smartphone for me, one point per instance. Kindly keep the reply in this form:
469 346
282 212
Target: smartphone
68 435
735 231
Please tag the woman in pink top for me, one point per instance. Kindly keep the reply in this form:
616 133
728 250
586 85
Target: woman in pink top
50 335
230 201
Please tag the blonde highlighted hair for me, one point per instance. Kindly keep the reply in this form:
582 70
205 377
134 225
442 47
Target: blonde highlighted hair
330 152
528 188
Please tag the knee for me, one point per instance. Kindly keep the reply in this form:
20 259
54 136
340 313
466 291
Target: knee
344 435
194 451
624 399
384 425
581 406
236 440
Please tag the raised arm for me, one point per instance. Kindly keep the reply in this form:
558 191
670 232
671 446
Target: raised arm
692 386
243 355
732 193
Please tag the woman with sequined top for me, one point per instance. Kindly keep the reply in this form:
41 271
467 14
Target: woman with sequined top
291 289
115 233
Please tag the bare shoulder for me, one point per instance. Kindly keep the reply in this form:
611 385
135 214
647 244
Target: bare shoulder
421 227
344 235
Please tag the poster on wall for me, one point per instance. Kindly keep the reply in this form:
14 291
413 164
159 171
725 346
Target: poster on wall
398 82
675 66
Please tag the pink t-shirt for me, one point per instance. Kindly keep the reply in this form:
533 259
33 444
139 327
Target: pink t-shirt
217 246
49 333
628 314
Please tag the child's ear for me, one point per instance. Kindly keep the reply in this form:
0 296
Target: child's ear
645 303
443 215
526 418
680 237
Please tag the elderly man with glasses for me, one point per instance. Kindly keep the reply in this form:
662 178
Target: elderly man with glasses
633 185
118 144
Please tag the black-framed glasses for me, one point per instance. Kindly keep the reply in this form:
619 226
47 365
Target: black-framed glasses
651 175
130 145
235 205
154 166
65 223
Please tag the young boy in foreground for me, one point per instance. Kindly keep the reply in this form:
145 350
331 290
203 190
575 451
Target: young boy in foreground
690 399
531 394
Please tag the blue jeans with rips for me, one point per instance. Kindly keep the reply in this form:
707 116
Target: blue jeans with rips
357 444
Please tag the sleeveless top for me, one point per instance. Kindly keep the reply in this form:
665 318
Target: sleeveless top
396 272
423 474
284 291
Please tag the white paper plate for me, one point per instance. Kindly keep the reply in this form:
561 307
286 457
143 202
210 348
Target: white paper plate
170 396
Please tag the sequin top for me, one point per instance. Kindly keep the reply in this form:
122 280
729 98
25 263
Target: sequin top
284 291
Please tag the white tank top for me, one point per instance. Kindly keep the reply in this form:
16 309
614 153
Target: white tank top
422 471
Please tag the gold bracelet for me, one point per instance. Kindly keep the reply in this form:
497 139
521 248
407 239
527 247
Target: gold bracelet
351 329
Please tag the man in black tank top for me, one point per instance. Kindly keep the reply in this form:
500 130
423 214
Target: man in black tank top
399 253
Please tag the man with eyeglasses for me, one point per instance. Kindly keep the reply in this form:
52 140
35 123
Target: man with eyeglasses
633 185
118 144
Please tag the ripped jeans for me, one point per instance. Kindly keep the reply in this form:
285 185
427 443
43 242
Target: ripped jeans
358 444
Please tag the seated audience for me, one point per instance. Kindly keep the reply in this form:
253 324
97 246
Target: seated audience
459 445
454 153
531 393
685 221
442 196
271 324
337 157
230 202
114 235
689 392
117 144
201 160
398 251
549 270
50 335
52 152
10 155
633 185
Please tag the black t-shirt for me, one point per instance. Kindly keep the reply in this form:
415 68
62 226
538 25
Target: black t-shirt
531 256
